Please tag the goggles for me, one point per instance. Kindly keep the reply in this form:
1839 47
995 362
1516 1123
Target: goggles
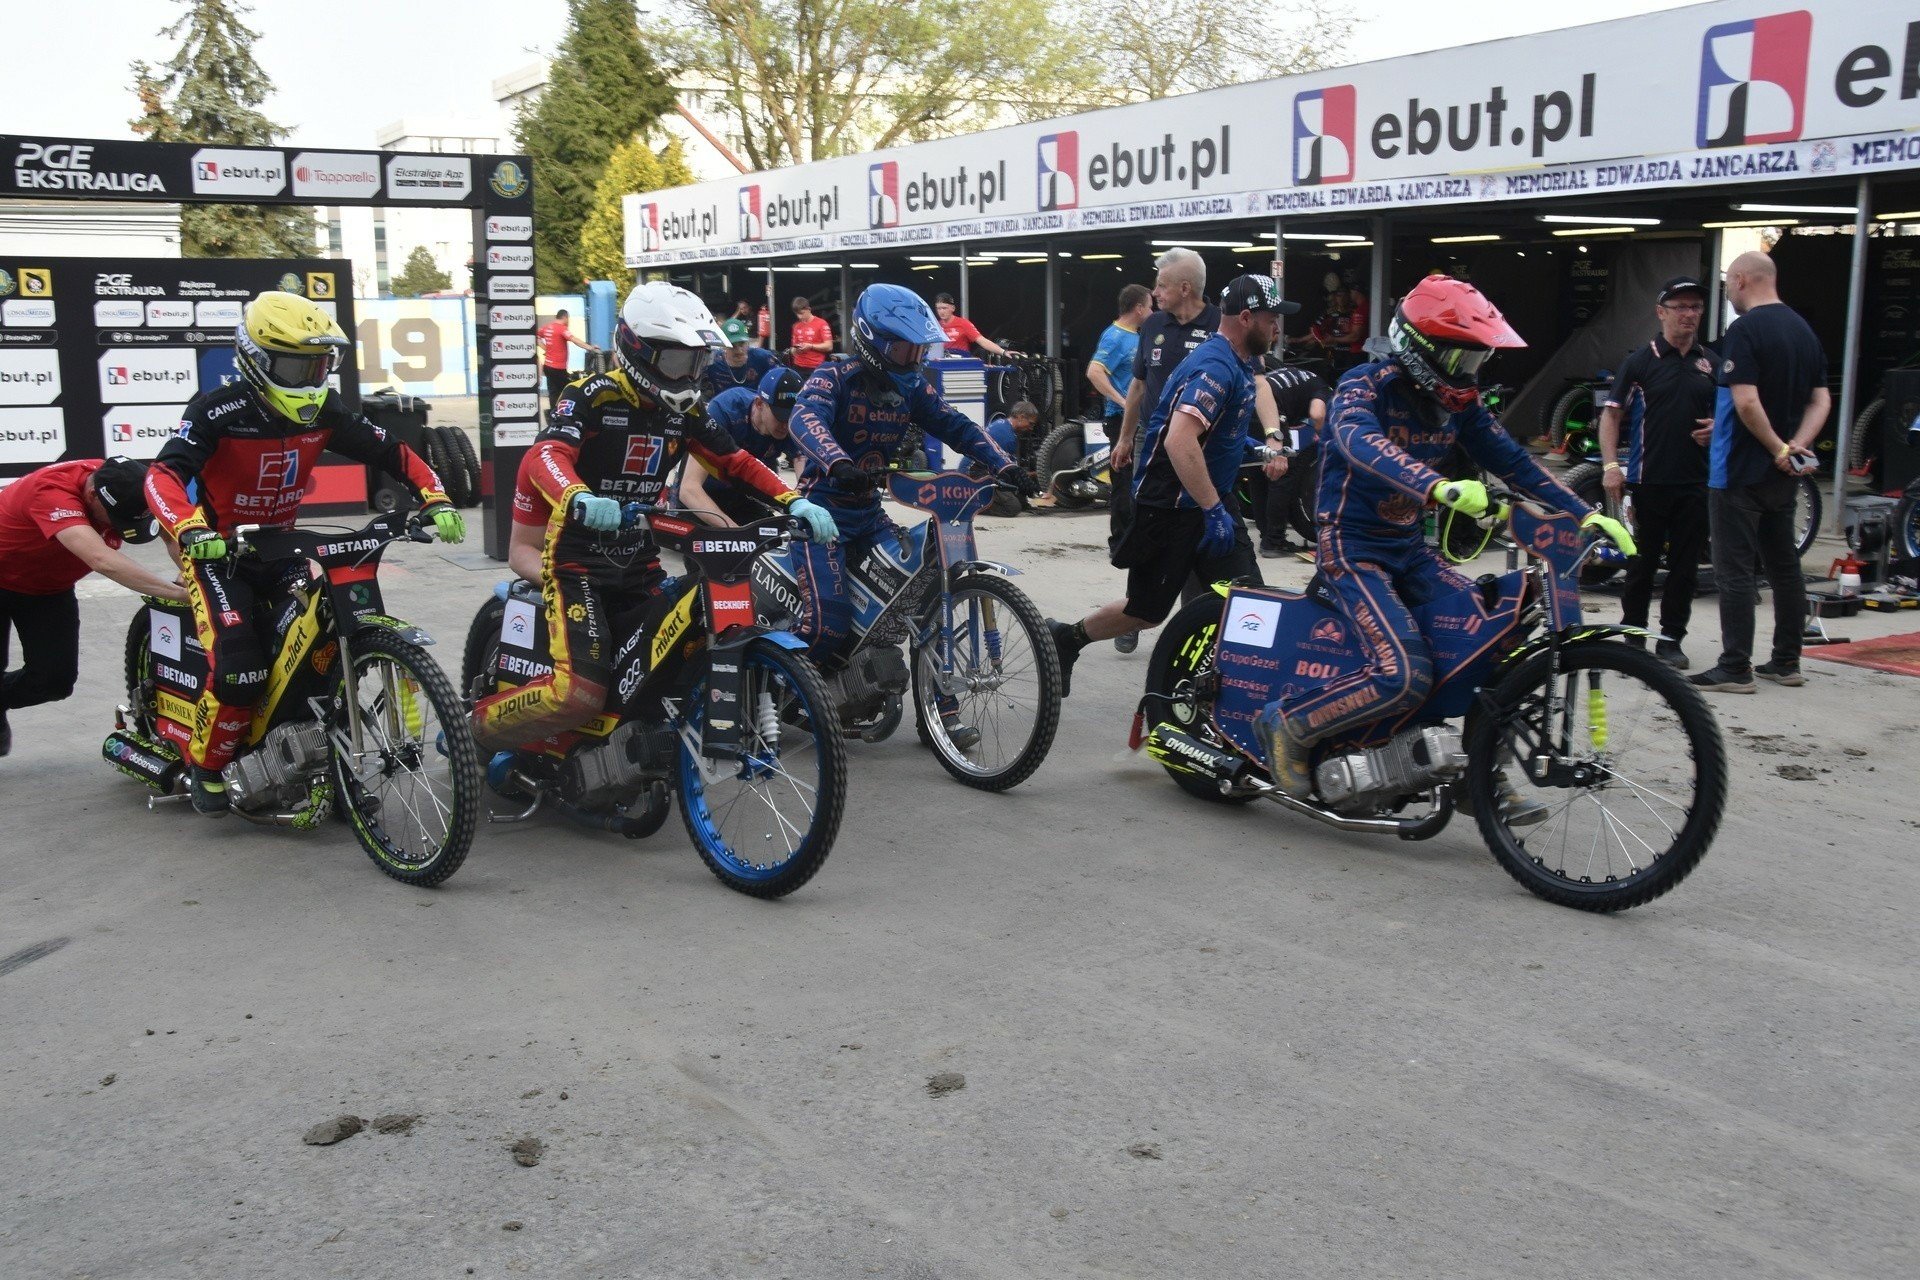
902 354
673 363
1457 362
300 371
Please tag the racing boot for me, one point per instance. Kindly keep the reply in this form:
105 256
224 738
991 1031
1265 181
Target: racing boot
208 791
1067 644
960 733
1286 754
1128 642
1516 810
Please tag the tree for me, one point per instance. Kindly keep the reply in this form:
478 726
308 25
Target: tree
211 91
603 90
634 167
421 274
1157 48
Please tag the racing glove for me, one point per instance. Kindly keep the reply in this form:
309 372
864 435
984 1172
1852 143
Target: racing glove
203 544
1613 531
1468 497
447 522
602 515
850 479
1217 538
1018 479
819 522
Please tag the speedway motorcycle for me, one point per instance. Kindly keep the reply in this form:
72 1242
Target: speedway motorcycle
1622 755
708 706
356 719
981 666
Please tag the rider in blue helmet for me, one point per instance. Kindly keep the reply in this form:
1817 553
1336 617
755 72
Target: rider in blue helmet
848 422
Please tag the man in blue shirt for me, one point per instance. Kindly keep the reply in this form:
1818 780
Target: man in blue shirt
1192 446
739 365
756 418
1111 369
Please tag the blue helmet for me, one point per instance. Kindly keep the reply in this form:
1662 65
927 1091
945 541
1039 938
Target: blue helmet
892 329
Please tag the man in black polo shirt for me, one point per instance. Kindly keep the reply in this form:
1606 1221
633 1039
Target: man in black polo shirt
1664 392
1300 403
1772 403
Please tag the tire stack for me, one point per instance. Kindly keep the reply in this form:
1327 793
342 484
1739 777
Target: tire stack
451 454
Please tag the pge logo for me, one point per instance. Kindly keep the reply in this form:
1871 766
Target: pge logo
752 226
1753 80
649 220
1323 135
1059 157
883 194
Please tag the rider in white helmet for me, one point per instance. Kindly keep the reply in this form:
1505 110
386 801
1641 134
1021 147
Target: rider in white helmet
614 438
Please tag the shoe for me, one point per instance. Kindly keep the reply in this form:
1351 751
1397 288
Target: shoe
1286 754
1069 652
1721 680
6 735
959 732
1669 652
1128 642
1517 810
1781 673
1274 550
209 792
1636 642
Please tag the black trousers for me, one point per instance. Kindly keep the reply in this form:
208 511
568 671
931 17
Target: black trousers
1669 518
1120 505
1277 505
1753 534
49 631
557 380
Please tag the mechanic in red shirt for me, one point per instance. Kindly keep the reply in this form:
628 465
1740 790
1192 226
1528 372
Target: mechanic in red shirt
248 448
57 525
553 337
812 337
962 337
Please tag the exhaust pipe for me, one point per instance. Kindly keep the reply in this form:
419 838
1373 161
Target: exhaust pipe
149 762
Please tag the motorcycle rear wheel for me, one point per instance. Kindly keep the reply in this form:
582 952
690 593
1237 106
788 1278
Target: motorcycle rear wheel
1180 686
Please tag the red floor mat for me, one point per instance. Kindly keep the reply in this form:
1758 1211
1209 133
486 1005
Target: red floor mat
1898 654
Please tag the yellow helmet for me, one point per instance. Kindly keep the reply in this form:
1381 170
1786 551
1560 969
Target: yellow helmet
285 347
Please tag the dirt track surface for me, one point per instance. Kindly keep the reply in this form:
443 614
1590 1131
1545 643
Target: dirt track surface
1194 1041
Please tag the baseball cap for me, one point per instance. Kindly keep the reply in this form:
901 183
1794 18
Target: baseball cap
1255 293
736 330
1679 285
120 484
779 387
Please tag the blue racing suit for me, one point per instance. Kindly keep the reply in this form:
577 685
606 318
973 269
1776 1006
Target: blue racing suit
843 413
1382 437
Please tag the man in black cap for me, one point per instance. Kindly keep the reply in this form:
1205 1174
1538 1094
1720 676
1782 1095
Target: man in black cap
1664 394
57 525
1192 446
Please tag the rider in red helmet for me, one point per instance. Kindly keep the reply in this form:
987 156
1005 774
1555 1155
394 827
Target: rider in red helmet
1389 425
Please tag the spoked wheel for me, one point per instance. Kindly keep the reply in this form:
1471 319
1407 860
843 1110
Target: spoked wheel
1806 513
765 823
482 650
990 719
1637 776
1063 449
1588 482
1181 688
1906 528
411 788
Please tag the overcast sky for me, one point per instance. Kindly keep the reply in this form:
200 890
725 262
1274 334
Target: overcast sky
343 69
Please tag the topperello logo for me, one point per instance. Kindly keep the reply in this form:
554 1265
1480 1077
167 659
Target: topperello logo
1323 140
1059 165
1753 80
883 194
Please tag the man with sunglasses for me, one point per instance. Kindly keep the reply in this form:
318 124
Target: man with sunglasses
756 419
57 525
1390 424
246 451
1664 394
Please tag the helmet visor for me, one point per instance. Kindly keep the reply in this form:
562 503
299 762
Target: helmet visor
1460 363
300 371
679 363
902 354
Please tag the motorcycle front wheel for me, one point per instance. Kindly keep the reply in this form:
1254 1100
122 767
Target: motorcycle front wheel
765 822
1638 776
994 721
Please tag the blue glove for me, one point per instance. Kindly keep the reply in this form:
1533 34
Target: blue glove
820 525
602 515
1217 538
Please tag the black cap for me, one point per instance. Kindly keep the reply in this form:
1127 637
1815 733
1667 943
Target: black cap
1255 293
120 484
1679 285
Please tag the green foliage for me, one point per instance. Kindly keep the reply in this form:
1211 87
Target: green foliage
1158 48
210 90
633 167
421 274
603 89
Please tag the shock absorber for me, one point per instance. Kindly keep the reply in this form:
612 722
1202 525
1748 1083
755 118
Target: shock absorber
1596 712
766 721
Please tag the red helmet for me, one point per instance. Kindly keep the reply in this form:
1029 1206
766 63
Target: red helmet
1442 332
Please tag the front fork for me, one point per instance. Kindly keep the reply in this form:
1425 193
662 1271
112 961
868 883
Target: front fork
983 639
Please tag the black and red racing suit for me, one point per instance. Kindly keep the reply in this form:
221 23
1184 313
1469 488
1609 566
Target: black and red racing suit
250 466
606 441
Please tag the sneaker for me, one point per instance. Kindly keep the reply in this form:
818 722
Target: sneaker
959 732
1128 642
1069 652
1721 680
1517 810
1781 673
209 792
1669 652
1274 550
1286 754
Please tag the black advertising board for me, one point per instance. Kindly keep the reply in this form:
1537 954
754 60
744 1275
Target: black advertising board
99 355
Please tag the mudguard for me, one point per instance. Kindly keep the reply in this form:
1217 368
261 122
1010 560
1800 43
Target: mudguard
381 622
974 566
1572 635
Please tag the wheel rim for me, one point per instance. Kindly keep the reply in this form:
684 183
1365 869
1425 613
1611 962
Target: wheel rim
1910 529
995 686
1806 515
756 814
409 781
1641 788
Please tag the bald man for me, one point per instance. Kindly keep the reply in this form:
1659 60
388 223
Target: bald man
1771 404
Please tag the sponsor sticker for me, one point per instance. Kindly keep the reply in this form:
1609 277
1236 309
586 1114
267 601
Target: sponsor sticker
515 376
34 435
511 346
514 435
1252 621
510 317
429 178
163 635
218 171
519 626
509 180
138 430
36 282
166 313
515 287
121 314
510 257
502 226
26 313
515 405
336 174
148 375
216 314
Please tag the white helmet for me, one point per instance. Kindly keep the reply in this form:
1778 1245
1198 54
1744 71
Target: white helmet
664 340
